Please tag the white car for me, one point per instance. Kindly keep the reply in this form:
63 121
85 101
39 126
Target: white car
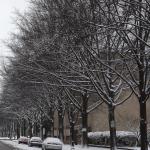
51 143
35 141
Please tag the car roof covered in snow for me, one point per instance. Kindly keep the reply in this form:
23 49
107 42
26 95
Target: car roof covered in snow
23 137
52 140
35 138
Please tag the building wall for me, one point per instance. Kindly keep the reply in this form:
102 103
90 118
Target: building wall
127 116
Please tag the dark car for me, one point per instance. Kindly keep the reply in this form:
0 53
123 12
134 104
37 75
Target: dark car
23 140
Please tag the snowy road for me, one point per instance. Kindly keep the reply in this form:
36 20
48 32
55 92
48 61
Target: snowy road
25 147
6 147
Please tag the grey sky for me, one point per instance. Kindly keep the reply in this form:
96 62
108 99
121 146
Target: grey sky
7 9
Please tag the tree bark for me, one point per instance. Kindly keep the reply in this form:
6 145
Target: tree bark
30 129
52 127
112 127
52 122
18 130
61 126
22 129
41 131
143 126
72 123
23 125
84 120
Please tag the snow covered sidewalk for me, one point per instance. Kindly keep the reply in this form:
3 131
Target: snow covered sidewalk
65 147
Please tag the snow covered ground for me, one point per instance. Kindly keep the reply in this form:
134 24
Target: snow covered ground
25 147
65 147
4 138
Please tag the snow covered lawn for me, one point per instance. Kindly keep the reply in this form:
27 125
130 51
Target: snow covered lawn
65 147
15 144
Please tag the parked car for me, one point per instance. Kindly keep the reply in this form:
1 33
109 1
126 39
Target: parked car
35 141
52 143
23 140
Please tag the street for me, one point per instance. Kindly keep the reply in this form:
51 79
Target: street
6 147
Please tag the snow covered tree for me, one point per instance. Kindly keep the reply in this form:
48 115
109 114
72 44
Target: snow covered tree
133 29
96 50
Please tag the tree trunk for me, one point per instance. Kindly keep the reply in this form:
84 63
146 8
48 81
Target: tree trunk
30 129
143 126
112 127
36 129
41 131
52 127
61 127
84 120
18 130
23 127
72 134
52 122
22 134
72 123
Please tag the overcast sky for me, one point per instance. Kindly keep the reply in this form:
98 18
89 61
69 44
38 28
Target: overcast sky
7 9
